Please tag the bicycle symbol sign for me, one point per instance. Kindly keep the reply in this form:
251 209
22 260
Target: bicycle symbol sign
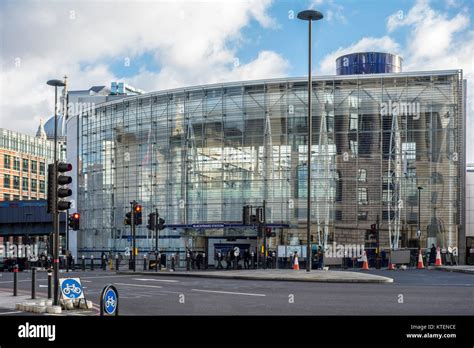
71 288
110 301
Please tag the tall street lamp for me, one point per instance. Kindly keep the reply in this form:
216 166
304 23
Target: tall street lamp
418 233
310 16
55 84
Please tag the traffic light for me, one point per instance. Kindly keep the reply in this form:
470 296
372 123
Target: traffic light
246 214
128 219
63 191
268 232
50 195
253 219
260 215
137 209
151 221
161 224
73 221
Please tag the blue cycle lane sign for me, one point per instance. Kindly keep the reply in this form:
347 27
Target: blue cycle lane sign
109 301
71 288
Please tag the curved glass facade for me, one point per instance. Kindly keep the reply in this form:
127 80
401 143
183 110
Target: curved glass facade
199 154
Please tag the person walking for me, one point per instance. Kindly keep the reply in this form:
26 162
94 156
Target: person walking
246 259
432 254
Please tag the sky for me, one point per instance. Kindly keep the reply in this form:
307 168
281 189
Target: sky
156 45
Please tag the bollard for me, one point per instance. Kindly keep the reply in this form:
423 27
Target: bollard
117 262
33 283
50 283
172 262
144 262
157 261
92 262
104 263
15 280
83 263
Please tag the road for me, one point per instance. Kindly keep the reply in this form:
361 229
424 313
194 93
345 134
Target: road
413 292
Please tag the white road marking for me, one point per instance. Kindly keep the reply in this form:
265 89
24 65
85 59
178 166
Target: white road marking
229 292
140 285
156 280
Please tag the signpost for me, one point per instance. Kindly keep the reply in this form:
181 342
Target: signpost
109 301
71 288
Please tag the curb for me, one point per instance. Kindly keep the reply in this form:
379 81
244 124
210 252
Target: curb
466 271
378 280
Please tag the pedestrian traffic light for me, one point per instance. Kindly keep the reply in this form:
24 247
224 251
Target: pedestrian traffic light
74 220
151 221
62 181
128 219
137 209
161 224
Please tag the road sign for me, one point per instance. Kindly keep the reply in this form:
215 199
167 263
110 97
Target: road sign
109 301
71 288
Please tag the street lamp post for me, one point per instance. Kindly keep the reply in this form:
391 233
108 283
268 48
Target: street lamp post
55 84
310 16
419 218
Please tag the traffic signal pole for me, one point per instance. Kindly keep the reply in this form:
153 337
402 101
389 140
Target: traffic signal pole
156 231
264 234
133 203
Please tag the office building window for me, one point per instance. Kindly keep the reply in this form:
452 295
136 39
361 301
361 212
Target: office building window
25 164
34 167
6 181
42 168
16 163
6 161
42 186
362 176
6 197
16 197
24 184
362 196
16 182
24 198
33 185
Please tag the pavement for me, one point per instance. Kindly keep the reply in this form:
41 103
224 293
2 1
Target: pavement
276 275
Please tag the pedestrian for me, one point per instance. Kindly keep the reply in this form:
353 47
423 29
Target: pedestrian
199 260
432 254
246 259
219 260
228 260
69 261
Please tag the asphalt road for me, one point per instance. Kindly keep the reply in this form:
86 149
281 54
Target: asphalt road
413 292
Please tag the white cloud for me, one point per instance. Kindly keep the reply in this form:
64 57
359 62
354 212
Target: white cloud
193 42
383 44
332 11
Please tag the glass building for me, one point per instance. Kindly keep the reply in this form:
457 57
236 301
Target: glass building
199 154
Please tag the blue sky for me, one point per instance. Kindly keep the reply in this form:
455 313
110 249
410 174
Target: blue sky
351 20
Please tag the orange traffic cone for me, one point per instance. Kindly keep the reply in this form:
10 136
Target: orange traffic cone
365 264
391 266
420 261
296 266
438 257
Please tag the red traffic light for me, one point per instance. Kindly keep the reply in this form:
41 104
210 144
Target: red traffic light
138 208
76 216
